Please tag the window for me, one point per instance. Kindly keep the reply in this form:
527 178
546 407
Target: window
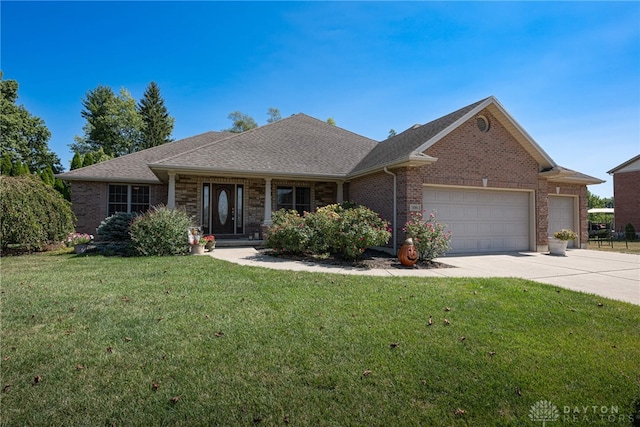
298 198
139 198
128 198
483 123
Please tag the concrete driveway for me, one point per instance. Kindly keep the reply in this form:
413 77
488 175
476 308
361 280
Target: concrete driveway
608 274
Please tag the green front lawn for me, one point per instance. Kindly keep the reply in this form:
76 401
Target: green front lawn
88 340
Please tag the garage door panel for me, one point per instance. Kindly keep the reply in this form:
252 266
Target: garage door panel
481 220
561 215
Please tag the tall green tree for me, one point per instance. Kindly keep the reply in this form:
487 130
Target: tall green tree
157 124
241 122
23 136
113 123
76 162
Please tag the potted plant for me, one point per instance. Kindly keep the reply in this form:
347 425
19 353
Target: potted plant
558 243
196 242
79 241
209 241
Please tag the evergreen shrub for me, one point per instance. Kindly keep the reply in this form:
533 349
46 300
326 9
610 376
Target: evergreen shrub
113 234
629 232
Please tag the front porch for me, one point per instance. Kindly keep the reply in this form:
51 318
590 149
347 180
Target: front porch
238 210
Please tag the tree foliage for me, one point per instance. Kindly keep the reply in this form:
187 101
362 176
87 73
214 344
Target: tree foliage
31 215
113 124
595 201
157 124
273 115
23 136
241 122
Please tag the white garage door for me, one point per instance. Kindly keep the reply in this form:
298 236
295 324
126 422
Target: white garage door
561 215
481 220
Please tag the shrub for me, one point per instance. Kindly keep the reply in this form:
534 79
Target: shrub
113 234
160 232
629 232
429 237
354 229
31 215
288 233
343 228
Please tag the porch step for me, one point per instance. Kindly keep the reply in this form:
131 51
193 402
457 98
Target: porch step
227 243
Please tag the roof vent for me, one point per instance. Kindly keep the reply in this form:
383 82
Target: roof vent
416 126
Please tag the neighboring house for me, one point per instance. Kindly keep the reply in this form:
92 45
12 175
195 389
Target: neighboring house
626 193
477 168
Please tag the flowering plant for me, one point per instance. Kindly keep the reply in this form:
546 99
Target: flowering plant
430 237
74 239
208 238
565 234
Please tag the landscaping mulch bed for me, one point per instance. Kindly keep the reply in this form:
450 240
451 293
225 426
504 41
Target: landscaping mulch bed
371 259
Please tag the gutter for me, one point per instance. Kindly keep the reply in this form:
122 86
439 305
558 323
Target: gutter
395 210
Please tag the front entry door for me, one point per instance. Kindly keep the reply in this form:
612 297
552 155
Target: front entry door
223 209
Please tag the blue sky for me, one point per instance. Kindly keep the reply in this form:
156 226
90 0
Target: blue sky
568 72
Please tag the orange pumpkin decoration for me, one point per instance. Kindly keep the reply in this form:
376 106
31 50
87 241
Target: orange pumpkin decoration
408 255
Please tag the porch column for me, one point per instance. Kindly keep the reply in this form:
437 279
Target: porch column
171 197
267 202
340 192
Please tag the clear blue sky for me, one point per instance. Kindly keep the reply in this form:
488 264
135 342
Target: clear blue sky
569 72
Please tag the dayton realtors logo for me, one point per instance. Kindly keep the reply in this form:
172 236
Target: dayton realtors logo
545 411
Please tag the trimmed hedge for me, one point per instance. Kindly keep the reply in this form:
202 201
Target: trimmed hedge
31 215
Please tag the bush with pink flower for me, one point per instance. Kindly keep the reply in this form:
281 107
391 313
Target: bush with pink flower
430 238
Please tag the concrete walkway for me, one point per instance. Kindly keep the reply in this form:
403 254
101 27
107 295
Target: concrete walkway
608 274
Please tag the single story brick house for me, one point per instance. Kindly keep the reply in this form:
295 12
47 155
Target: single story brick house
477 168
626 193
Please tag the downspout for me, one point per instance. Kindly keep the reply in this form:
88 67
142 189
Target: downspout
395 210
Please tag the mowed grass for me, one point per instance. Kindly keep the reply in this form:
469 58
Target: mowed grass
190 341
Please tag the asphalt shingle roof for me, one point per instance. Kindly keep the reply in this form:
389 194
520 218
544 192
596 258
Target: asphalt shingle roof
134 167
399 147
298 145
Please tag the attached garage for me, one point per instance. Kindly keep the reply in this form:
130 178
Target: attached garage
561 215
482 220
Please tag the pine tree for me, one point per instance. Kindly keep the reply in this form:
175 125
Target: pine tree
6 166
76 162
88 160
157 123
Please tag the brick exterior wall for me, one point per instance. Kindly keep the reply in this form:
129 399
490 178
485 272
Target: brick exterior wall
89 202
465 157
626 196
